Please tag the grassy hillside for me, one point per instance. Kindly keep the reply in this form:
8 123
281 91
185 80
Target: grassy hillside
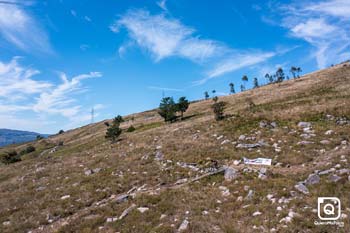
168 176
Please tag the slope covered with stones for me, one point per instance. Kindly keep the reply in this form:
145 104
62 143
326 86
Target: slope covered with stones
189 176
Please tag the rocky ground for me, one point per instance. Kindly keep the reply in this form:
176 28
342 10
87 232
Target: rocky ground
190 176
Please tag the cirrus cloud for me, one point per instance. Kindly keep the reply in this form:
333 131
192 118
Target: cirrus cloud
165 37
22 93
22 30
323 24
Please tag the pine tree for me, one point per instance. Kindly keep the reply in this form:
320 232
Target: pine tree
256 83
167 109
232 88
182 105
206 95
113 131
244 79
242 88
293 71
269 78
118 119
280 75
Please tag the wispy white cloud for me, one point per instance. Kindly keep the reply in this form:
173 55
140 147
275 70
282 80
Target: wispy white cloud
337 8
162 5
17 81
313 29
160 36
236 62
123 48
21 93
21 29
87 18
59 100
199 50
165 37
323 25
73 13
164 89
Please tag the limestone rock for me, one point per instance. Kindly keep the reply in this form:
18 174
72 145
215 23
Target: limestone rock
183 226
257 213
65 197
303 124
325 142
159 156
230 173
248 146
334 178
312 179
301 188
127 211
142 209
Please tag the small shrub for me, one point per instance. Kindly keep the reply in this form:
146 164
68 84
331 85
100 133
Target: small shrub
61 131
131 129
106 123
30 149
60 143
23 152
117 120
218 109
10 157
27 150
39 137
114 131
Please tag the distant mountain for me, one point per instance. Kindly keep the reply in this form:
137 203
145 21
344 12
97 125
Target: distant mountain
9 136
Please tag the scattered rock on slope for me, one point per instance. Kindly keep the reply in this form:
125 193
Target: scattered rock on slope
312 179
159 156
334 178
303 124
242 145
230 173
142 209
183 226
301 188
127 211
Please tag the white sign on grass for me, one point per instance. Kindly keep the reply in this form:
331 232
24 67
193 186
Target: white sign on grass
258 161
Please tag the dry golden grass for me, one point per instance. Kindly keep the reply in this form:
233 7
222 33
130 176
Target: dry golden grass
31 190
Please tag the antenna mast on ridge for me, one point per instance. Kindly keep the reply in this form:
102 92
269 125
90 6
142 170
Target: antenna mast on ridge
92 115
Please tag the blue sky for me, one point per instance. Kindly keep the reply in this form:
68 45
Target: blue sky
61 58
